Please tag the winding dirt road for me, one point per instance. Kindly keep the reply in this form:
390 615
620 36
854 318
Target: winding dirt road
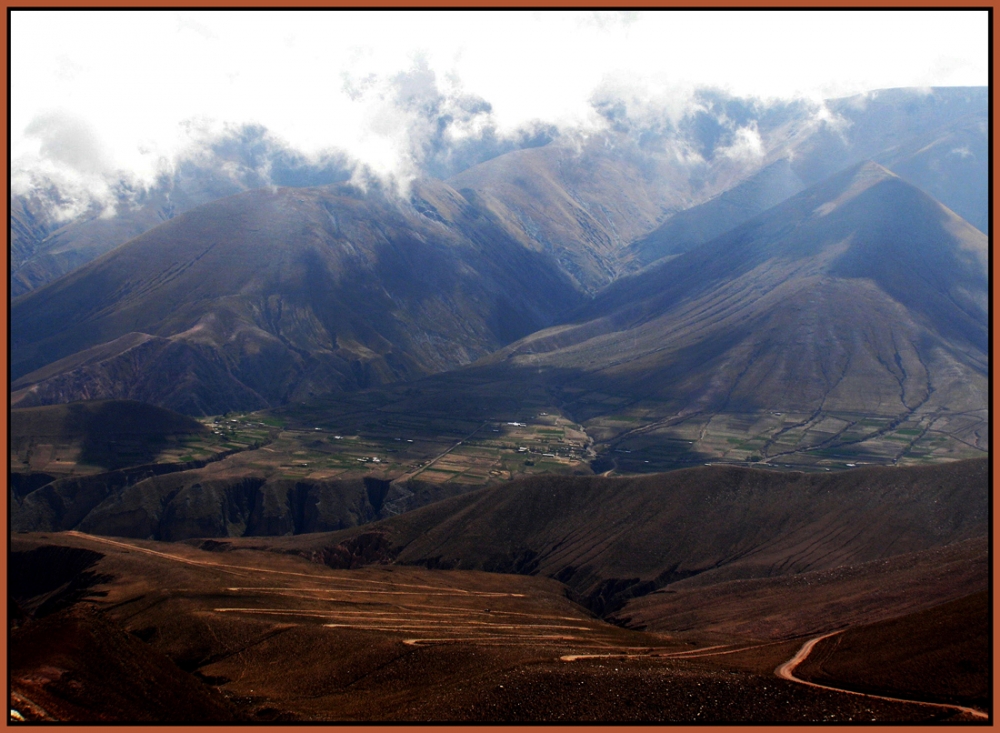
786 672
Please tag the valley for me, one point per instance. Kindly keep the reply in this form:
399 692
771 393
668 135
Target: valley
680 419
404 443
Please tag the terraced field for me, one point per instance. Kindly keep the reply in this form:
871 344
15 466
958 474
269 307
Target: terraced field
435 449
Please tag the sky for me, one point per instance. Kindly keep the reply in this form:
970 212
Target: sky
97 95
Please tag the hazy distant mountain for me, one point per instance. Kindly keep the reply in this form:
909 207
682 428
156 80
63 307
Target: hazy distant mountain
935 139
691 227
46 250
45 247
860 294
583 207
865 126
270 296
951 164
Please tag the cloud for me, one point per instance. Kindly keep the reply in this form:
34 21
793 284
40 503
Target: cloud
404 93
69 140
68 167
746 146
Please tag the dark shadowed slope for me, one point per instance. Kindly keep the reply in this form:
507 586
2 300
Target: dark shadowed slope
106 433
940 654
275 295
108 419
232 498
75 665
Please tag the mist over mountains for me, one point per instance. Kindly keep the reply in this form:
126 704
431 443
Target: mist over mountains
713 142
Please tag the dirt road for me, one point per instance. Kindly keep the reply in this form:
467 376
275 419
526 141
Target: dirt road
786 672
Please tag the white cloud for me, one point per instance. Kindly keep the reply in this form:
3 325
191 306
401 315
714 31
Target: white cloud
747 145
135 90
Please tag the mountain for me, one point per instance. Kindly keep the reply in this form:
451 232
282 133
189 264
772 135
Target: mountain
49 239
940 653
599 194
876 124
30 223
75 665
581 206
816 601
951 164
270 296
234 498
860 298
935 139
152 630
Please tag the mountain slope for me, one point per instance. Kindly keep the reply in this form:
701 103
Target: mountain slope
581 206
876 124
273 295
817 601
950 164
860 294
102 433
691 227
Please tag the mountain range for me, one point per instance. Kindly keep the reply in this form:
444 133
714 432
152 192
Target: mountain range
279 295
670 422
858 295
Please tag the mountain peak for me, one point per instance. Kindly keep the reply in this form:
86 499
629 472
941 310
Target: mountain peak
853 182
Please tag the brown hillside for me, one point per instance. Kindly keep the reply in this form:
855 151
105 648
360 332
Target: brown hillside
815 602
612 539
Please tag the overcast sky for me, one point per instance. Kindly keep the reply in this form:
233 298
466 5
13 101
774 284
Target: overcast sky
95 92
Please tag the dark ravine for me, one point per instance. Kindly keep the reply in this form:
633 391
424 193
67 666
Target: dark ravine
174 502
66 501
48 579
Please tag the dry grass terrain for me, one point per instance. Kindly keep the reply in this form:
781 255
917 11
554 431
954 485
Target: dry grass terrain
269 636
824 600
